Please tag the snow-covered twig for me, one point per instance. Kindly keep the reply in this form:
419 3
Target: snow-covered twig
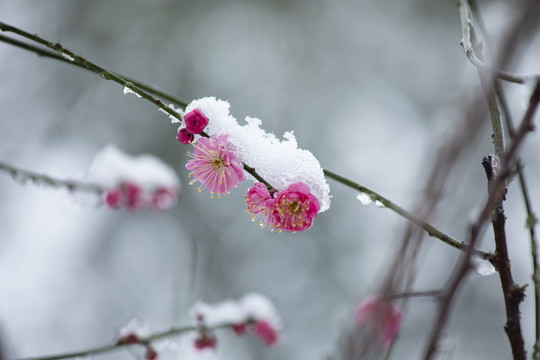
144 341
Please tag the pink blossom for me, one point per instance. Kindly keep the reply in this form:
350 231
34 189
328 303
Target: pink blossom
185 137
133 196
195 121
130 338
260 204
151 353
205 340
127 195
266 332
383 315
215 165
240 329
295 208
114 198
164 198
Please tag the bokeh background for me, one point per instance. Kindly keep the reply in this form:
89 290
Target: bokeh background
372 88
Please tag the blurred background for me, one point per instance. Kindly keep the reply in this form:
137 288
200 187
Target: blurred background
372 88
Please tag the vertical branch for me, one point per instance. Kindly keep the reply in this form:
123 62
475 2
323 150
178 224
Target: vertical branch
495 193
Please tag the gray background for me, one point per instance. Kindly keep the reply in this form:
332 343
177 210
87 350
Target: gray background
370 87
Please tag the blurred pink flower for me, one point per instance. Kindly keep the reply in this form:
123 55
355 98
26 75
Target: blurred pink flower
295 208
185 137
215 165
383 315
266 332
195 121
205 340
164 198
260 204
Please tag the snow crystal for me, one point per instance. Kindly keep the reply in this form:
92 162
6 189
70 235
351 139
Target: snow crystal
111 167
67 57
129 91
482 267
280 162
364 198
379 204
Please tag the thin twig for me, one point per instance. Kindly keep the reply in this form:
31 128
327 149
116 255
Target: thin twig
50 54
466 25
430 229
119 345
23 176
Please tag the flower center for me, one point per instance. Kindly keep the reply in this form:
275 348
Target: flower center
217 163
294 207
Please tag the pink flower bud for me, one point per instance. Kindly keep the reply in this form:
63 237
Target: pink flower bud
240 329
195 121
114 198
205 340
128 339
133 193
151 353
266 332
185 137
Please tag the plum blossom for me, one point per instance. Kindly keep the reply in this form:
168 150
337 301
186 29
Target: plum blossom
295 208
384 316
215 165
292 209
260 204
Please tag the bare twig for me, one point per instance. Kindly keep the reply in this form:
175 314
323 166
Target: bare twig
23 176
430 229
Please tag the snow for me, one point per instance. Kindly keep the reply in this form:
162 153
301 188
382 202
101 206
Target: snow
279 161
364 198
251 306
129 91
174 119
111 166
482 267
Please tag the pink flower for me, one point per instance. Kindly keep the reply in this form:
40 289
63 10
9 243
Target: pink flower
114 198
195 121
205 340
215 165
240 329
383 315
266 332
260 204
295 208
133 196
164 198
127 195
185 137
